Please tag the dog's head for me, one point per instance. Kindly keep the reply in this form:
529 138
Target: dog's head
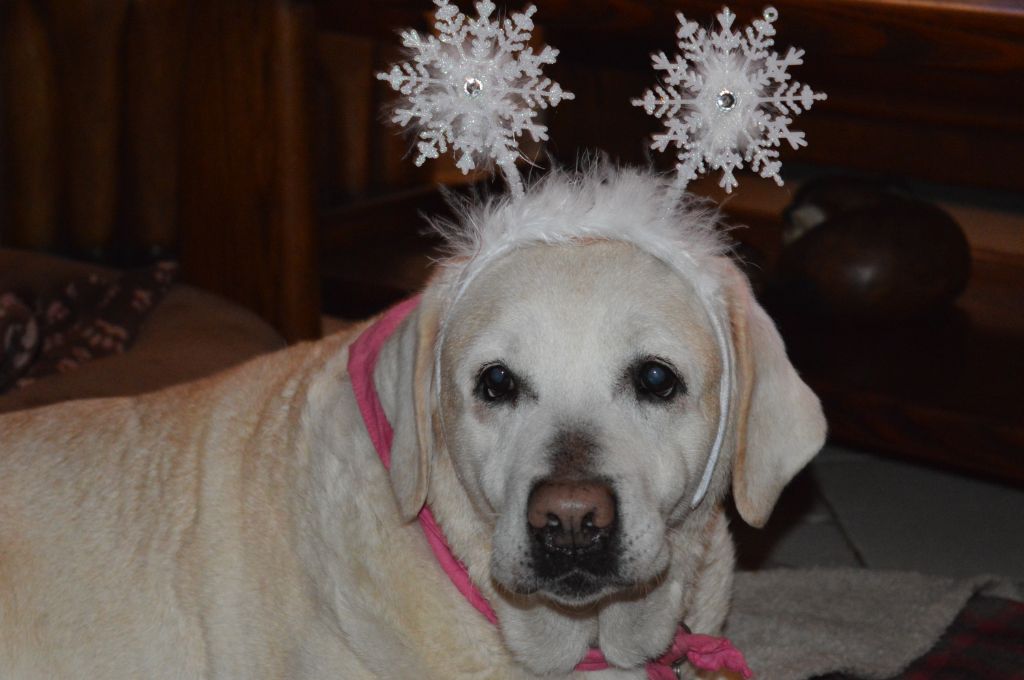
577 386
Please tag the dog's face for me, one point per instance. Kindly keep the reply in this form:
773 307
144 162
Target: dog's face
577 392
579 401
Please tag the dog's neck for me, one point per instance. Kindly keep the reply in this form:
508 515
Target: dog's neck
466 530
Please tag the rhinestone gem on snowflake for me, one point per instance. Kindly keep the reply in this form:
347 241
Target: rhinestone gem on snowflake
475 87
727 99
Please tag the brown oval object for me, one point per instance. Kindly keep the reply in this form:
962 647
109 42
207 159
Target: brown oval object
895 259
823 198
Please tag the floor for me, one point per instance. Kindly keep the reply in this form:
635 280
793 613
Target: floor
851 508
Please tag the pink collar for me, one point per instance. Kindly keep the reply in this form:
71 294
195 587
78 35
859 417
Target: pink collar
703 651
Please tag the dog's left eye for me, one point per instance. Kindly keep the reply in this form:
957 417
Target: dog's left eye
657 379
496 384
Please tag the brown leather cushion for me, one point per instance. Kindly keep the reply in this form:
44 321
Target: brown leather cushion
191 334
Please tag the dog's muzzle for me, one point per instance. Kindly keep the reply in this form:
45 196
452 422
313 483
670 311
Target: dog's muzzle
573 527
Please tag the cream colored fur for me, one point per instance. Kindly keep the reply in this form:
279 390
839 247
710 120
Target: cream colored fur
243 527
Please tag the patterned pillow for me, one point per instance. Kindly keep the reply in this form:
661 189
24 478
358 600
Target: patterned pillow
87 318
19 338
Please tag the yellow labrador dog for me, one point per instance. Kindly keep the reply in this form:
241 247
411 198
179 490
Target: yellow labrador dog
572 397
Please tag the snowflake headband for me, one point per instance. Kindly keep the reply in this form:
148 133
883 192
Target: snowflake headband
475 88
726 99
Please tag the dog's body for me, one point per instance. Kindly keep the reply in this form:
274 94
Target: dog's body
244 527
203 531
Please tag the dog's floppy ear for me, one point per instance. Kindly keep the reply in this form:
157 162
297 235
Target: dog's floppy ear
414 438
780 425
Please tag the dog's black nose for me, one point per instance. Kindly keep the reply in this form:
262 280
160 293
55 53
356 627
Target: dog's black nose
573 527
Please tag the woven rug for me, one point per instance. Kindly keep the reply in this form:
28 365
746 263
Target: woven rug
845 624
985 642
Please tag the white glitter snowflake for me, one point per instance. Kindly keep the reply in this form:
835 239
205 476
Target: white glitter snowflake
475 87
727 99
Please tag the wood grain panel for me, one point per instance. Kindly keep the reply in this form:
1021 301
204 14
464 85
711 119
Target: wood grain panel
951 439
28 111
153 86
86 37
346 68
246 197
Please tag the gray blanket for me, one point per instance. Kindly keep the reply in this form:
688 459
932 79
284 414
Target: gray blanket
793 624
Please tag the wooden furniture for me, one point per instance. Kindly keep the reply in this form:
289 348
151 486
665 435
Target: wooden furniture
918 92
163 126
242 132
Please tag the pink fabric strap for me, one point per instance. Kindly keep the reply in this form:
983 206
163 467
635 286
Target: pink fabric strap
703 651
362 358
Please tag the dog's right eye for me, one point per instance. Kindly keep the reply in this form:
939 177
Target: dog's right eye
496 384
655 379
